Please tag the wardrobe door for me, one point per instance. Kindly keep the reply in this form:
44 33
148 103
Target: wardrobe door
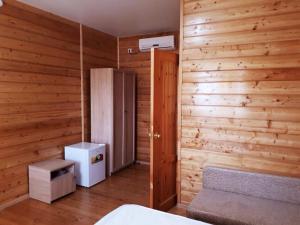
102 111
118 120
129 114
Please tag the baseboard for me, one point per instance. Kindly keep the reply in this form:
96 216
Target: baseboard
13 202
123 167
143 163
181 206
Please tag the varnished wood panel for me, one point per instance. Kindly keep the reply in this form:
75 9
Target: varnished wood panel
99 51
39 92
139 62
240 88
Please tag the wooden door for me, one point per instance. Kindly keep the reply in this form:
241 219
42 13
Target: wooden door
164 71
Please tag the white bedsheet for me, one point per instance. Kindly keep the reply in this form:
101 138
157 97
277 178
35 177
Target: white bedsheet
139 215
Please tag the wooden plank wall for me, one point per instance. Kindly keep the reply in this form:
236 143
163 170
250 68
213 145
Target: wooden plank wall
99 50
139 62
240 89
39 92
40 89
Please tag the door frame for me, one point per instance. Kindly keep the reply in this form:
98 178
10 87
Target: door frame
151 129
151 125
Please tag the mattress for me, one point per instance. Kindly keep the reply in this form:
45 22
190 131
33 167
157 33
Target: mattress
139 215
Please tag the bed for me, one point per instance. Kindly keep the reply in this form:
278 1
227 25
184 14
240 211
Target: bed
139 215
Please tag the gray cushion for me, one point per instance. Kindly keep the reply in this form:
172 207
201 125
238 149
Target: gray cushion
253 184
225 208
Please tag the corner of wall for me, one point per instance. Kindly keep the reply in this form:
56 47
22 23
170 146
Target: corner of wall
81 84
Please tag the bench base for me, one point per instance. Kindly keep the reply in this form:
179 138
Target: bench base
226 208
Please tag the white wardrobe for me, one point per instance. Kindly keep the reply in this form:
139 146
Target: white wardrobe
113 115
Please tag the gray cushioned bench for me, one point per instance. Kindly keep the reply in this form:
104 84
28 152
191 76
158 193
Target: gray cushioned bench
242 198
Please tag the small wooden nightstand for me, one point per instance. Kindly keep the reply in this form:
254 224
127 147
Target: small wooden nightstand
51 179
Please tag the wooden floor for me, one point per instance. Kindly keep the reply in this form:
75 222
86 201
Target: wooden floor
85 206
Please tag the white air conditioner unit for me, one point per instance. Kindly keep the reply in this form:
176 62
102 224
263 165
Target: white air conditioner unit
165 42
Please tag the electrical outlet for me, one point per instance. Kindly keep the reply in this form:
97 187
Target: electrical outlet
130 51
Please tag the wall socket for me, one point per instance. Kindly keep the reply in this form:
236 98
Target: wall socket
130 51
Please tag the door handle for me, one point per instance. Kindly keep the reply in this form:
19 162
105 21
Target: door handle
156 135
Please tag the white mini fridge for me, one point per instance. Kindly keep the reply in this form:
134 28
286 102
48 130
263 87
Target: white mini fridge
89 161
